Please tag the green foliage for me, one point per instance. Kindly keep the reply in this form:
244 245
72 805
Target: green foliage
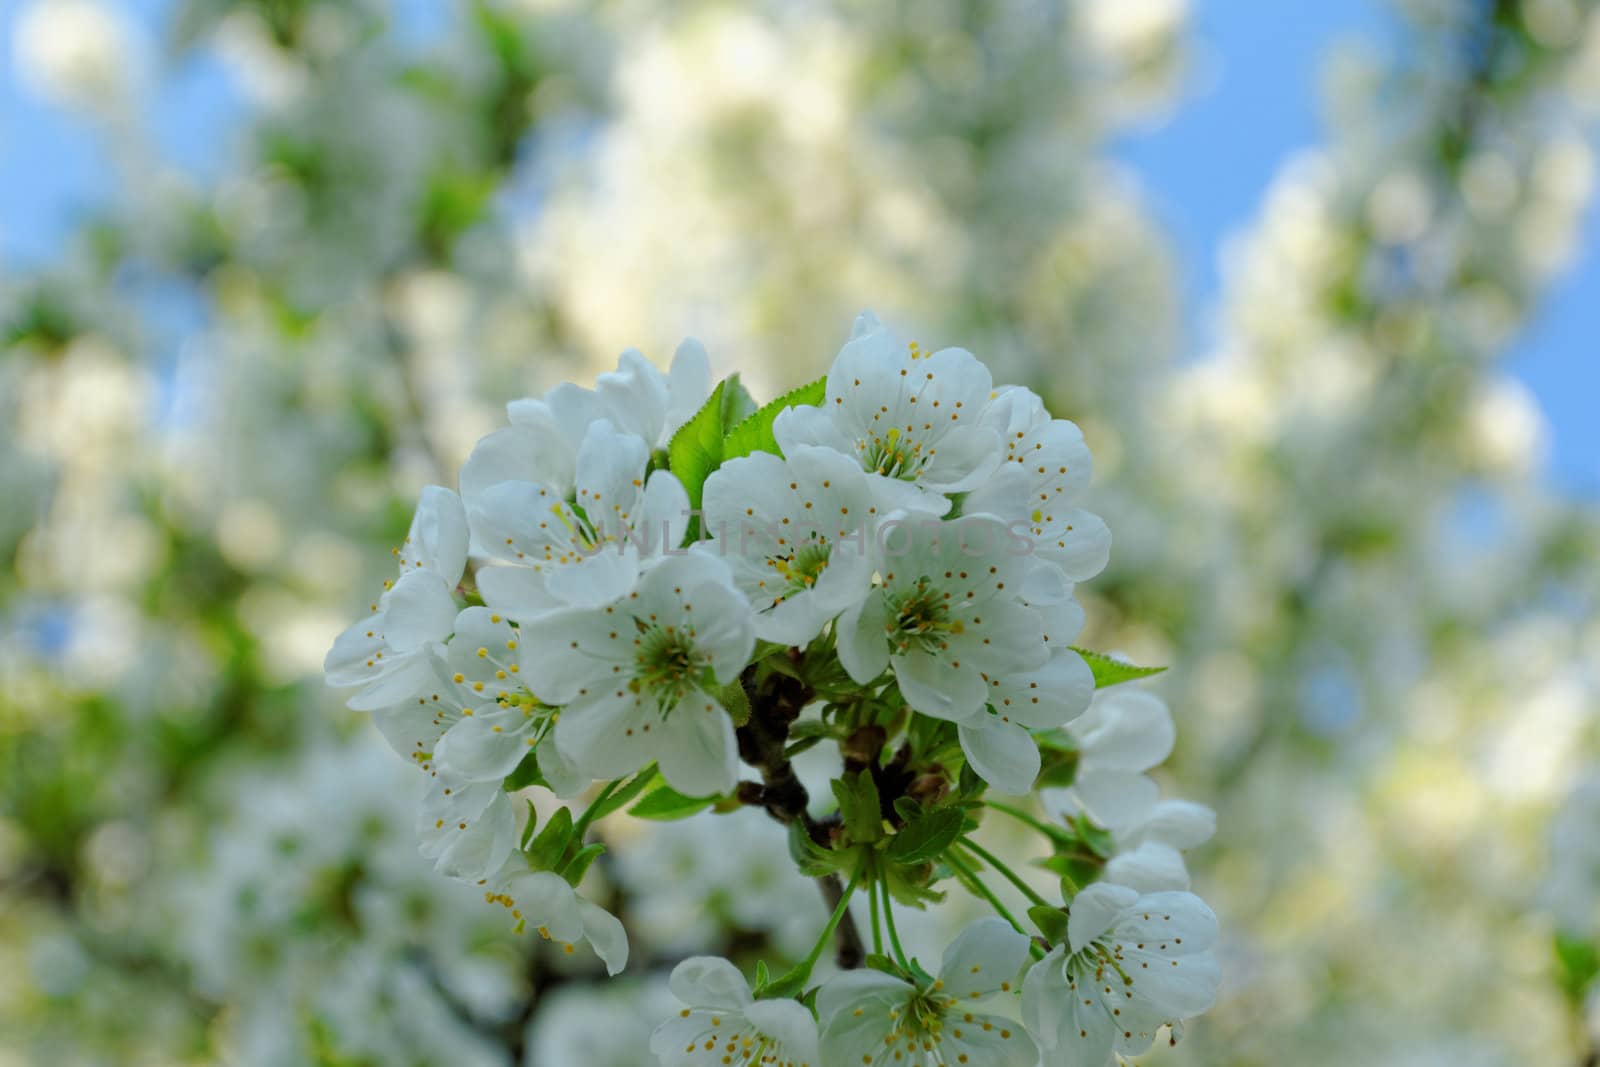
859 807
666 804
812 859
526 774
547 849
737 404
696 449
1109 671
754 434
1578 960
575 868
925 837
1052 922
1058 763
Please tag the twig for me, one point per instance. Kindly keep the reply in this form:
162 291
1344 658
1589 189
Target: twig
775 703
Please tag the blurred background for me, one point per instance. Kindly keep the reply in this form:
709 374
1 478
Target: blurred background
1319 282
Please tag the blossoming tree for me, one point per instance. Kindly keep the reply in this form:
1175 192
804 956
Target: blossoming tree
668 580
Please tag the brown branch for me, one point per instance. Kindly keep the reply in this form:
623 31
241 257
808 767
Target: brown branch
775 703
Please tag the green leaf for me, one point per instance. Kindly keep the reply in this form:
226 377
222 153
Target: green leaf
526 774
696 449
578 865
754 434
667 805
762 978
926 837
1098 840
533 824
788 985
879 962
737 403
908 808
1059 764
1052 922
1108 671
812 859
545 853
858 807
619 798
1580 965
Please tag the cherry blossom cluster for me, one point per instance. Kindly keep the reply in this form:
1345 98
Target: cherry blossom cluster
654 593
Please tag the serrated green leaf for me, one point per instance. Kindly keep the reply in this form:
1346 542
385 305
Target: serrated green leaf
754 434
926 837
1052 922
696 449
668 805
1109 671
545 853
857 795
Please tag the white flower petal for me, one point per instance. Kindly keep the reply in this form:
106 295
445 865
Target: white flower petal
1094 910
487 745
437 540
696 749
710 982
984 959
1002 753
421 608
862 650
605 934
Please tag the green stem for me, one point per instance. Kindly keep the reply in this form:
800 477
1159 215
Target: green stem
877 923
1011 876
894 936
833 924
970 879
1052 832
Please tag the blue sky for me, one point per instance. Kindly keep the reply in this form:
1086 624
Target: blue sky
1253 103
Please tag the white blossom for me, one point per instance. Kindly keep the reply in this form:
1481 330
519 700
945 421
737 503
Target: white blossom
1133 964
1149 855
869 1017
722 1022
998 742
634 677
545 903
912 419
945 616
795 532
581 548
1125 733
387 653
1039 485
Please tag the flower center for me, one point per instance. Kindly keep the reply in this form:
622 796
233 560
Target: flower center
920 618
892 454
800 569
667 664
